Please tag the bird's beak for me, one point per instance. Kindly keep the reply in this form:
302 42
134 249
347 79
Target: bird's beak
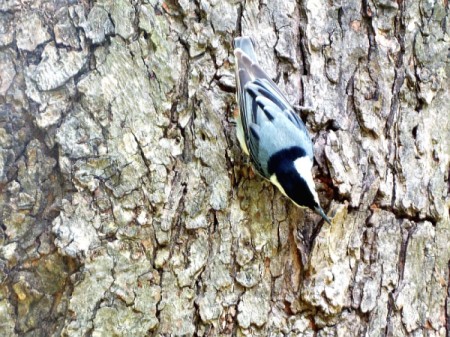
320 211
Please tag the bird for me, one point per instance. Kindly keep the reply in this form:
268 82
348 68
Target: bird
270 133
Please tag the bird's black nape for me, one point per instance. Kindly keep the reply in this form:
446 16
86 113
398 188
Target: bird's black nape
281 158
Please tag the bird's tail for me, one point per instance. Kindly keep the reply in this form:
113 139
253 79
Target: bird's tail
245 57
246 45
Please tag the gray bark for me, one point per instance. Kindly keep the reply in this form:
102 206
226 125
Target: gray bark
128 209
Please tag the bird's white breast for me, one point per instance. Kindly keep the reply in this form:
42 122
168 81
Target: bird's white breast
274 180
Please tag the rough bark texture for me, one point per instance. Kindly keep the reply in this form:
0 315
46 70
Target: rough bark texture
127 208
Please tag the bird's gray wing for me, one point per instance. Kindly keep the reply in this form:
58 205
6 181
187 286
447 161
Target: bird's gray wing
265 112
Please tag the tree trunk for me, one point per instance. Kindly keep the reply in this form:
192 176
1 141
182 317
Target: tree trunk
128 209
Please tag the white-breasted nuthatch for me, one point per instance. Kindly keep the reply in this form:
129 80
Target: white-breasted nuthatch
270 132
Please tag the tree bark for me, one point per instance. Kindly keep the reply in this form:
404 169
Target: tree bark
128 209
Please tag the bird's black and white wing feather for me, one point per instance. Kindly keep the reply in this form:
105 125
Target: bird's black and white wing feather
266 117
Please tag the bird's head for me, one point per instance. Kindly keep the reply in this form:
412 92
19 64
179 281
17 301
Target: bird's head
294 179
